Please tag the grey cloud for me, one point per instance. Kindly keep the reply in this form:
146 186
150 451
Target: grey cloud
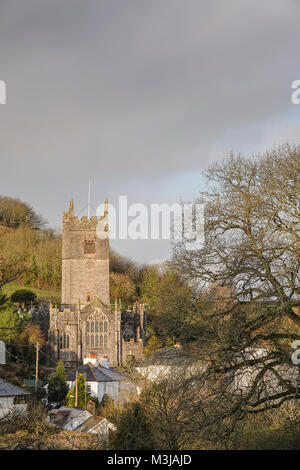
137 93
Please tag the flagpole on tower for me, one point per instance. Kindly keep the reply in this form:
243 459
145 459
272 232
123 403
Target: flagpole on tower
89 198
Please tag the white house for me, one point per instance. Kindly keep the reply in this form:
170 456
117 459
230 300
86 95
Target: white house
13 399
244 377
163 363
2 353
102 380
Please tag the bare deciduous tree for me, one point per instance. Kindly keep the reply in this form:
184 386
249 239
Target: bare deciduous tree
249 282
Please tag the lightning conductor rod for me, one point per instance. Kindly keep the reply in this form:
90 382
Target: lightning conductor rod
89 198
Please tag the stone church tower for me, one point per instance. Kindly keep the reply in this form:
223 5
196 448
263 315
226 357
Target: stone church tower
85 259
85 325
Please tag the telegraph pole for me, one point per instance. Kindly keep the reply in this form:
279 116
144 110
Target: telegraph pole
76 390
37 366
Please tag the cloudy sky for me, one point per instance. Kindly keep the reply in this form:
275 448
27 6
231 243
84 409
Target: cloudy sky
141 95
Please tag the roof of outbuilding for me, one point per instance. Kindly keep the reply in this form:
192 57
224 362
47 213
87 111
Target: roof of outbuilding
10 390
166 356
96 374
79 419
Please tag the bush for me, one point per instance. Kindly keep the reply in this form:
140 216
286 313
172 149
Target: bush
133 430
23 296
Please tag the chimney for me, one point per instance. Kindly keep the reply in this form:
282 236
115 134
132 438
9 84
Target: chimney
91 407
105 362
92 359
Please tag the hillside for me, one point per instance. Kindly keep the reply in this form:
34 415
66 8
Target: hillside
42 294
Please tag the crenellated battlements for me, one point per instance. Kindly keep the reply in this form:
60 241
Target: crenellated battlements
62 314
84 223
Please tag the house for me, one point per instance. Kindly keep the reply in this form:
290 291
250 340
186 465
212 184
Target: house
2 353
276 378
13 399
163 363
103 380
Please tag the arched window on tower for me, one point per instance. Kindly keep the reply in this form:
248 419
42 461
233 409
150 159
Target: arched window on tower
96 329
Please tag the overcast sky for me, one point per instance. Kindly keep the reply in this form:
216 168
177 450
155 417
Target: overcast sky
141 95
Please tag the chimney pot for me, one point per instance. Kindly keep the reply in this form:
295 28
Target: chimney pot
105 362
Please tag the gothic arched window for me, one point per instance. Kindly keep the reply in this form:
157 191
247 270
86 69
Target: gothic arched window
96 329
64 340
128 333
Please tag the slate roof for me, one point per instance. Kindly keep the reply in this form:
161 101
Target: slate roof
10 390
69 418
166 356
96 374
79 419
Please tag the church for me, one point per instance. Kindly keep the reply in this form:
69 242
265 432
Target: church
85 325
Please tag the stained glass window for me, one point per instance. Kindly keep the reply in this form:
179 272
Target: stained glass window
95 323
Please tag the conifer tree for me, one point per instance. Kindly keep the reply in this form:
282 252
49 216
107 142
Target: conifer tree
57 386
83 396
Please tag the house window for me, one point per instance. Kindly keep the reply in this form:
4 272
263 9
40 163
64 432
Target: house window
20 400
88 388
